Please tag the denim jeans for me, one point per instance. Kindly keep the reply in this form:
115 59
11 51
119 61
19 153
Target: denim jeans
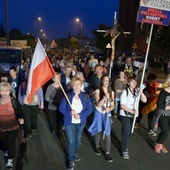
116 109
73 134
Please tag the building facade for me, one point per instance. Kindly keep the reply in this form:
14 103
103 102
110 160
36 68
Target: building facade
127 19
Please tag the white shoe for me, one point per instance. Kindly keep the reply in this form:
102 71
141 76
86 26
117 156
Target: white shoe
152 133
125 155
9 165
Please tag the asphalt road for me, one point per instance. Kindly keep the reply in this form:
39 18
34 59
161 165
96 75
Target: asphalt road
45 151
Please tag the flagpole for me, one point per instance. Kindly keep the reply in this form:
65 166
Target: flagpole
63 91
42 57
143 73
58 81
60 85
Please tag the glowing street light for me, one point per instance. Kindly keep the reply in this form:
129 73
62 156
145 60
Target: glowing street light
35 25
81 27
45 40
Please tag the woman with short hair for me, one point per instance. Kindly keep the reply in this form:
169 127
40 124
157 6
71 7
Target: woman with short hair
11 116
75 118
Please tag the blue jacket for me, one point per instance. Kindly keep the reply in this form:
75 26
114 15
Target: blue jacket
65 108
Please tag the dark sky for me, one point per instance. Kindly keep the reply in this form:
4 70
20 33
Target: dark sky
58 16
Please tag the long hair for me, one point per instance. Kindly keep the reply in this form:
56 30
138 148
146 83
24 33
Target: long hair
102 93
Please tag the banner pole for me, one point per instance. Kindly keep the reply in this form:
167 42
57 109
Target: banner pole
143 73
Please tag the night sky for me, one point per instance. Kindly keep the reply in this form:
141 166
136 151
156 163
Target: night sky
58 16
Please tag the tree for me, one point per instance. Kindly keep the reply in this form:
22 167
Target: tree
15 34
160 36
30 40
74 43
101 41
2 30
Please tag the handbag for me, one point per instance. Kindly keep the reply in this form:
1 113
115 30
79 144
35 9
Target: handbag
128 114
23 147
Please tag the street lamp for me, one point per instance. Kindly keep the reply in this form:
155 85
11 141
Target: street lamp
81 29
35 25
45 37
7 21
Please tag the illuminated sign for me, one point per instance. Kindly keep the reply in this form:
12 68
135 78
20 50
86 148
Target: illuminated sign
154 12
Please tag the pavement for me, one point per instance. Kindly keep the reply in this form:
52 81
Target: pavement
43 153
47 152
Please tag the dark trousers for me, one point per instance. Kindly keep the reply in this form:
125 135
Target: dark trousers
56 120
126 131
7 142
31 117
53 119
151 116
59 123
164 123
141 105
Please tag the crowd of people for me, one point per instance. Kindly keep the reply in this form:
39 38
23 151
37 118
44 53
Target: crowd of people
82 90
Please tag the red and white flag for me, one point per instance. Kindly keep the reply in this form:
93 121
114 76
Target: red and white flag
40 72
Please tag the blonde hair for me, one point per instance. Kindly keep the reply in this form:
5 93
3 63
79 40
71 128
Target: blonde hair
5 85
79 73
74 79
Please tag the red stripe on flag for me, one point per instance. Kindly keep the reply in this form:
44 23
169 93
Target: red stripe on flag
41 74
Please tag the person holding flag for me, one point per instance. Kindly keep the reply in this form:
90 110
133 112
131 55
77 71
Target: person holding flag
104 99
31 94
75 110
128 104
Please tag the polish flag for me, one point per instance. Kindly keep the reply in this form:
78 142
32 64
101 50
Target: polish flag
40 72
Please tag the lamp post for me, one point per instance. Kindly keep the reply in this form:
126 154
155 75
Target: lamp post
81 30
35 26
45 40
7 22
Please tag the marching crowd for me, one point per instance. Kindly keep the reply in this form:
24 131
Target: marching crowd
81 91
